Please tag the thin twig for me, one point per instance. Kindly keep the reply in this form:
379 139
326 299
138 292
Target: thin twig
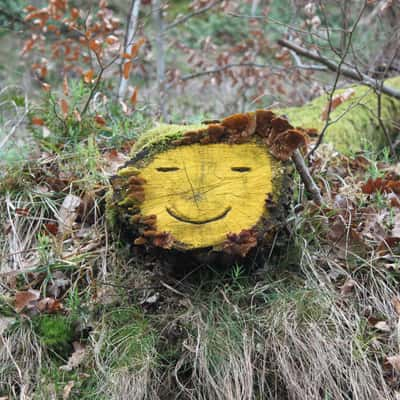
306 177
192 14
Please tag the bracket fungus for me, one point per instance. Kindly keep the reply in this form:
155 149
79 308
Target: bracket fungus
218 186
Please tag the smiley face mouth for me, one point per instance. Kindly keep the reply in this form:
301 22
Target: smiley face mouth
197 221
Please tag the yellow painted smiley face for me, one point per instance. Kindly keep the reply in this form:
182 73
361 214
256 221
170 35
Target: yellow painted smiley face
199 193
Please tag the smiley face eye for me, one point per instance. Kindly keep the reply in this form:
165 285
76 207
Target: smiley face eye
167 169
241 169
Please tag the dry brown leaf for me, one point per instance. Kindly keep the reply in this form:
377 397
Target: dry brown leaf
100 120
88 76
95 45
337 101
126 69
136 46
25 299
133 98
240 244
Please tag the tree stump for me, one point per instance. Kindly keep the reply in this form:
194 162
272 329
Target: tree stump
219 186
224 185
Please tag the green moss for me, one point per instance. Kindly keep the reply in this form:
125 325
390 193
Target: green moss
160 137
355 120
55 332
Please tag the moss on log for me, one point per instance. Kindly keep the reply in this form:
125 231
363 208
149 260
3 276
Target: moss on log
355 120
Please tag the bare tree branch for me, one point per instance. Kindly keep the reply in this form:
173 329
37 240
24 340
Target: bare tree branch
349 72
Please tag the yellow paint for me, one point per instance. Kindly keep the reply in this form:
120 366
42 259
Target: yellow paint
202 192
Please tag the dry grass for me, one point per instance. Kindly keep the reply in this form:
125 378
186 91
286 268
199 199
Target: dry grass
291 330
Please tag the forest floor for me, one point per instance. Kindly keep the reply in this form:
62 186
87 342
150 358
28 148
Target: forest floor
85 315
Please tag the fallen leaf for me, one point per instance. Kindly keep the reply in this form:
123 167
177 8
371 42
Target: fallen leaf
25 299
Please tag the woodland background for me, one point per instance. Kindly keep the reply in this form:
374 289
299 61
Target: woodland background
84 317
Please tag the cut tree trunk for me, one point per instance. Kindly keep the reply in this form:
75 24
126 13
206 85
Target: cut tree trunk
225 185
